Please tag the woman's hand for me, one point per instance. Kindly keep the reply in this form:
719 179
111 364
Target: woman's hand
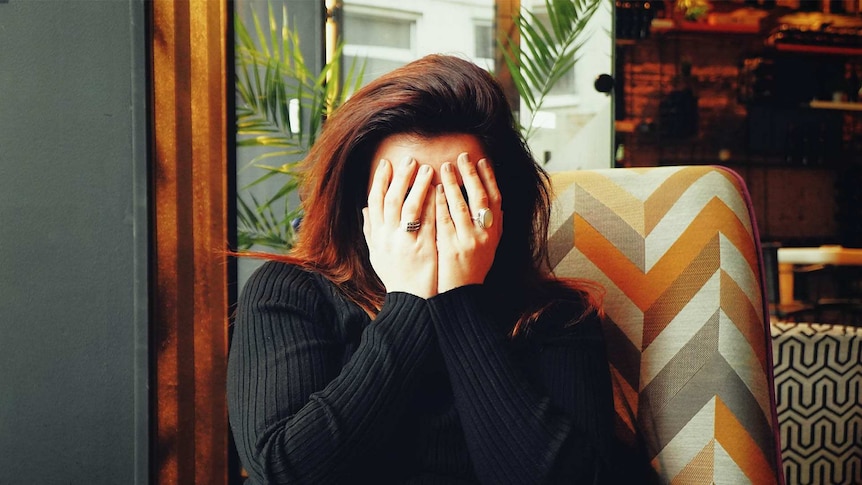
403 255
465 249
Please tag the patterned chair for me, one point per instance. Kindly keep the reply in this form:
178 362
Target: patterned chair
677 251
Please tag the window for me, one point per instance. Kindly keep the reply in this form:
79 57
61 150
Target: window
483 34
566 86
384 38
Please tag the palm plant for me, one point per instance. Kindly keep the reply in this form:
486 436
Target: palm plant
281 107
546 52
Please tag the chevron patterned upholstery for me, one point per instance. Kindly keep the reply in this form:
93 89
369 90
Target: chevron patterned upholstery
677 251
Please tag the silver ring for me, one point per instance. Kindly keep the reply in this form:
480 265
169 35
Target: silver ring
485 218
413 226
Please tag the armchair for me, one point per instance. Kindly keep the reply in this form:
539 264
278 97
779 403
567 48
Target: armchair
687 329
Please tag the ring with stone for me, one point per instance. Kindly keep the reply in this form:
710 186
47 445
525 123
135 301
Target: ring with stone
412 226
484 217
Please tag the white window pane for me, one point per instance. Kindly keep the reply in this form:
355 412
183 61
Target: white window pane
484 38
566 84
374 67
377 31
391 33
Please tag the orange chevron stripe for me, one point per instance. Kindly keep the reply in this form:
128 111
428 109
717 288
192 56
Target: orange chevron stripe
681 291
644 289
738 307
716 217
631 280
735 439
625 399
701 469
657 205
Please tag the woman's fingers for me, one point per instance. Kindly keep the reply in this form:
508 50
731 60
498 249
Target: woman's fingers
377 191
458 210
393 201
412 210
489 181
445 226
366 224
473 184
466 248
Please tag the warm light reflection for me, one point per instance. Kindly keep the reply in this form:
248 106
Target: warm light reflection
331 36
333 8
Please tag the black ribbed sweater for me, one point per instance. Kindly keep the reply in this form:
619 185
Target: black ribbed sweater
430 391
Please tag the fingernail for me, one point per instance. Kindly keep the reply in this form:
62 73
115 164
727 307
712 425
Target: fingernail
463 158
408 161
381 164
426 168
447 167
483 163
439 188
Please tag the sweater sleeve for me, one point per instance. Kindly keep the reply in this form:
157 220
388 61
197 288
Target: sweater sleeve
299 413
520 428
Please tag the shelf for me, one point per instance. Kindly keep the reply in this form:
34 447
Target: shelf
818 49
836 105
706 28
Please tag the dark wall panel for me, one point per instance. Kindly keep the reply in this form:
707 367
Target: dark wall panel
73 244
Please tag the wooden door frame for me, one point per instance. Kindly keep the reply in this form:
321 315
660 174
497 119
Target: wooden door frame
190 88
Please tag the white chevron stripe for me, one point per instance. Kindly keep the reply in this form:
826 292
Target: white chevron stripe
730 473
737 267
688 442
681 329
616 303
687 208
737 351
640 183
562 207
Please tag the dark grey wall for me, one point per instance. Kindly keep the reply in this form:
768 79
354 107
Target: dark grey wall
73 242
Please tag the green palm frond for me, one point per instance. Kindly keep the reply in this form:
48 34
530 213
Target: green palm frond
545 54
281 107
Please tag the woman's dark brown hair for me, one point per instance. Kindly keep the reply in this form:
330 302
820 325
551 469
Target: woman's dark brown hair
431 96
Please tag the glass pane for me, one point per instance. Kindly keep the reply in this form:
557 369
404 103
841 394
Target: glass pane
374 66
391 33
566 84
377 31
484 35
573 126
273 119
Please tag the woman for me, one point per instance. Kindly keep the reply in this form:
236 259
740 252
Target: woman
414 334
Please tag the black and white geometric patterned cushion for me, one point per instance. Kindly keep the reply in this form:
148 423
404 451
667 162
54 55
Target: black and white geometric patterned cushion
818 387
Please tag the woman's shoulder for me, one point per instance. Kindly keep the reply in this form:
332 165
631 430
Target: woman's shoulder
280 282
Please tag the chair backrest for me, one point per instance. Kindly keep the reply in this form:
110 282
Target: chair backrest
677 251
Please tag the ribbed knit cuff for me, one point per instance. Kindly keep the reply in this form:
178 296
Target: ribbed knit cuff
508 427
404 322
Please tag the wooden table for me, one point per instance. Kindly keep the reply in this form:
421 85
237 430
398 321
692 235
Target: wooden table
797 261
826 255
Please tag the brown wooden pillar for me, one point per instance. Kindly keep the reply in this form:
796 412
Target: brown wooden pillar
505 27
189 274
